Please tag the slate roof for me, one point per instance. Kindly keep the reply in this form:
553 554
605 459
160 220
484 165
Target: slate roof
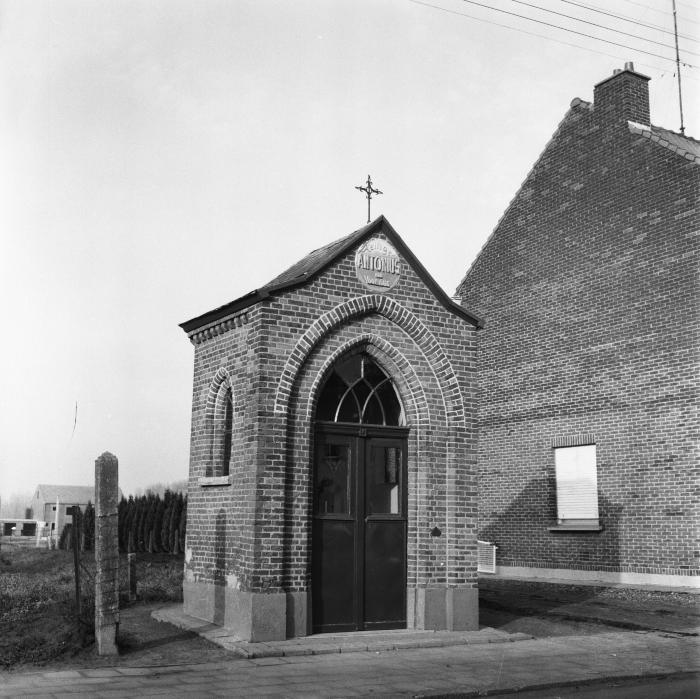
71 494
315 262
685 146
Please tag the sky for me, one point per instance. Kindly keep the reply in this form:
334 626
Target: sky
161 158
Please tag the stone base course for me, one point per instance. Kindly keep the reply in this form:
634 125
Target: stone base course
320 644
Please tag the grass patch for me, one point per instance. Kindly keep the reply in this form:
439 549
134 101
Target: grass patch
37 600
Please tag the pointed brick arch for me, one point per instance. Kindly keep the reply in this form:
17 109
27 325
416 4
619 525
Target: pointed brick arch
220 392
393 311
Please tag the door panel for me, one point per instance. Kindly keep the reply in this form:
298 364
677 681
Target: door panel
333 572
359 530
384 581
334 534
385 574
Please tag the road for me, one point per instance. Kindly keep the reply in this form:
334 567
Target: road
683 686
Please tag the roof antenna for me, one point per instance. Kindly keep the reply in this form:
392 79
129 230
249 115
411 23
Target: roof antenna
678 66
370 191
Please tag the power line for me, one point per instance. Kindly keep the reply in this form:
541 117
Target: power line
646 7
573 31
687 4
661 70
661 12
628 19
600 26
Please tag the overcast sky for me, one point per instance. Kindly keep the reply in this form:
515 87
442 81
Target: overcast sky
161 158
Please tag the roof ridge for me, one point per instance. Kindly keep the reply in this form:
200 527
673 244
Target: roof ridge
676 133
668 139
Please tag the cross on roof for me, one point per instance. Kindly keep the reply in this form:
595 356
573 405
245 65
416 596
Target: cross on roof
369 190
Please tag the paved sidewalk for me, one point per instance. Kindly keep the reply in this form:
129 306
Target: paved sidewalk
355 642
471 670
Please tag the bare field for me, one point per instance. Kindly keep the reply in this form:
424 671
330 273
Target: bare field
37 600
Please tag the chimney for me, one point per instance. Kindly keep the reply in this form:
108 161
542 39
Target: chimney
622 97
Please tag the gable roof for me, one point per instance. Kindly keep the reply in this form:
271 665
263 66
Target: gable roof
576 104
313 264
78 494
685 146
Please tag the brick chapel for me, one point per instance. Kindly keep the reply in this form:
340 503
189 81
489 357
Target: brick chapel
332 477
346 414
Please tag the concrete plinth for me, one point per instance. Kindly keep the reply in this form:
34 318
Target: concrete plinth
443 608
276 616
298 614
250 616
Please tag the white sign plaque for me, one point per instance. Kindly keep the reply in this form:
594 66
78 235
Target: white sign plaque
377 265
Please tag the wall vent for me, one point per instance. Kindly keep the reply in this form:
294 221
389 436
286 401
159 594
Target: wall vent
486 557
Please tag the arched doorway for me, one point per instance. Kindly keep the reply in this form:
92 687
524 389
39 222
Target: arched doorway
359 501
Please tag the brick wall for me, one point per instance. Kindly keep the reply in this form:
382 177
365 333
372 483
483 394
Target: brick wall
589 290
220 519
254 534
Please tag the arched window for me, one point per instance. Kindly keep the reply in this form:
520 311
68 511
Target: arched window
220 426
359 391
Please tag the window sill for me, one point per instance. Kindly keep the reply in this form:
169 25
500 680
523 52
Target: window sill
208 481
577 528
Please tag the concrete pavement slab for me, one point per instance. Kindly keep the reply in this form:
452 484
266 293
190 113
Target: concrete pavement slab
464 668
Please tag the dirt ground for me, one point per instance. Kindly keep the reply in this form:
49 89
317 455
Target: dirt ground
547 609
540 609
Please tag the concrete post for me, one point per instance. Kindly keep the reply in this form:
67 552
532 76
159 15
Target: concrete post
106 554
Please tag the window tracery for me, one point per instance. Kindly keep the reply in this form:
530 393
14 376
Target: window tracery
359 391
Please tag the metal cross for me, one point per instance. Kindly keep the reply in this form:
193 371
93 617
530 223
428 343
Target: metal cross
369 190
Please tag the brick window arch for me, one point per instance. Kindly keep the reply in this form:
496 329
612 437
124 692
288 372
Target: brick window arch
220 417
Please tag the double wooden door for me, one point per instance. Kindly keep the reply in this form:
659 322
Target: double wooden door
359 528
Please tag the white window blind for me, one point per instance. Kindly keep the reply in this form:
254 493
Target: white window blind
577 485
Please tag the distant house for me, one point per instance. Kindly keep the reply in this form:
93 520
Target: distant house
49 500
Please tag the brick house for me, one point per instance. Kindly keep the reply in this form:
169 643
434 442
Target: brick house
589 371
332 469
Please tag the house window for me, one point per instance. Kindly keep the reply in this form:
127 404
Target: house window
577 486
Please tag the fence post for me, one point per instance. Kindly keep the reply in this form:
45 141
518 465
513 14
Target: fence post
75 514
131 557
106 554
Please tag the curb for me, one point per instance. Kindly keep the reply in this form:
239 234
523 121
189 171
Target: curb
545 686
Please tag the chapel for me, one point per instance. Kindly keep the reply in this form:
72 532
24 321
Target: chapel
332 473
